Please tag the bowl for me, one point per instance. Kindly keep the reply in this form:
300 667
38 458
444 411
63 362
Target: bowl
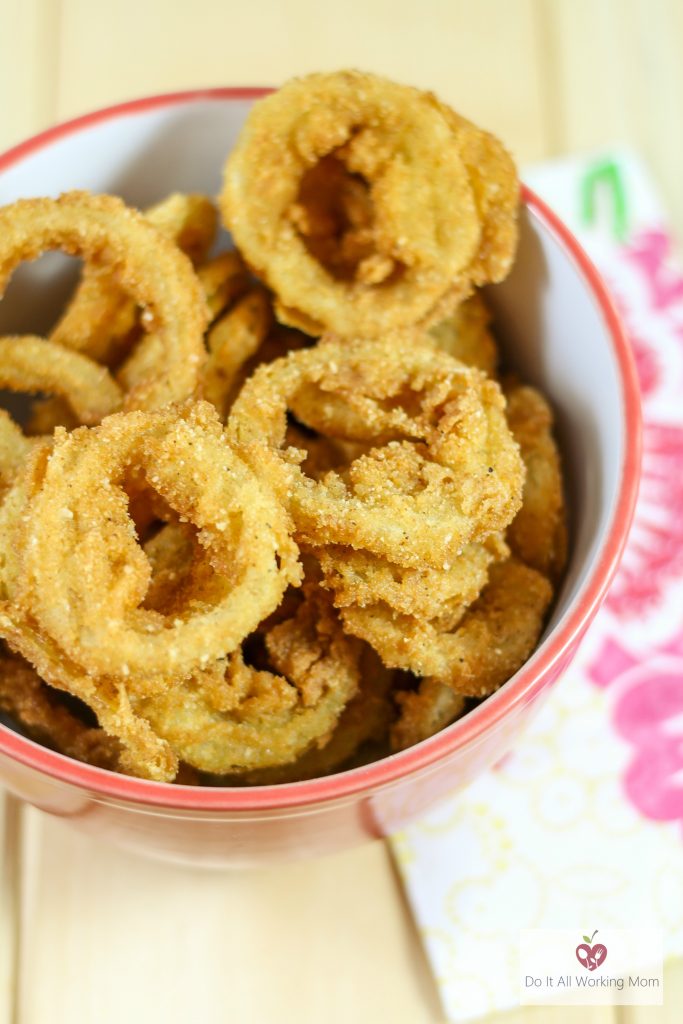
555 320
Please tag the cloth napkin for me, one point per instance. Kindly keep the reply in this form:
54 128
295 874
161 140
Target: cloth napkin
581 826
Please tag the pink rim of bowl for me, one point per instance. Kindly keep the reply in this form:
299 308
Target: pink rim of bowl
519 690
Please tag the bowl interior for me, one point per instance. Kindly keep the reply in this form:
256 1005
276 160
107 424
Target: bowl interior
554 334
551 326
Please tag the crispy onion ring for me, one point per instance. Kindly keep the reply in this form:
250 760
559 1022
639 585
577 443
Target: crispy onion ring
465 335
437 224
361 580
538 533
491 641
495 187
457 477
150 268
14 449
364 720
231 342
77 511
32 703
101 317
222 280
26 478
103 322
424 712
241 717
33 364
143 753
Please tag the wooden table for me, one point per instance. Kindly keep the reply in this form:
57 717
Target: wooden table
88 933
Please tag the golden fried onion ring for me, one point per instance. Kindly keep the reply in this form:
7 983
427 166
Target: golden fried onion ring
491 641
155 274
434 228
143 753
222 280
424 712
231 341
243 717
31 364
83 576
495 187
456 477
538 533
101 316
14 449
32 703
362 580
465 335
365 719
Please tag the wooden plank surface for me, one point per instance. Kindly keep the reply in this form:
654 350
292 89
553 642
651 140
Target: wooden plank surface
451 46
11 848
108 933
28 67
616 68
89 933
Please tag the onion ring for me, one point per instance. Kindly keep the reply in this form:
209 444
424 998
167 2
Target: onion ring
28 363
465 335
538 533
491 641
424 712
32 703
149 267
495 186
361 580
435 226
14 449
101 317
244 717
458 477
364 720
143 753
222 280
93 611
231 341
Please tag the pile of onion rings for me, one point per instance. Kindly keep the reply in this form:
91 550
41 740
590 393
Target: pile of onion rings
272 513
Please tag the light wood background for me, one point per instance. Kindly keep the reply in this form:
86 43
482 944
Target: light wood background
88 933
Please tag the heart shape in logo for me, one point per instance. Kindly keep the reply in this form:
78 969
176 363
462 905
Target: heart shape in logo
591 957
